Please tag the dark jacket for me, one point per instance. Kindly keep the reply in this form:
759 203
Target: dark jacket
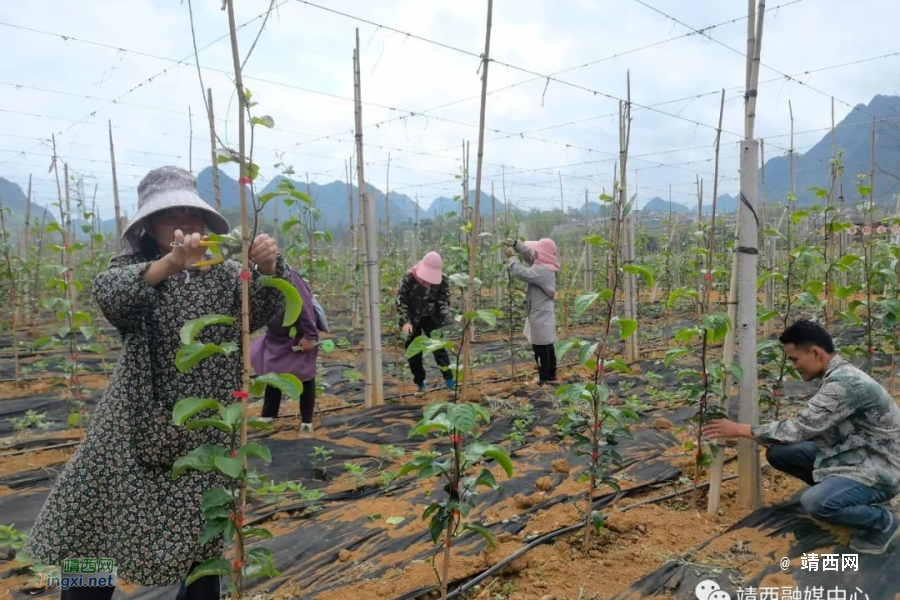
416 302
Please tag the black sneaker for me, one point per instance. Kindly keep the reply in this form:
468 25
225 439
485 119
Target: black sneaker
876 542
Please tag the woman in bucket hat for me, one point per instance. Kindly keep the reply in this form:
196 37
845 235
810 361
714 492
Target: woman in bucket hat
540 308
116 497
423 305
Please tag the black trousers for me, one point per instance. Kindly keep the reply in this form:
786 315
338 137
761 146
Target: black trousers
425 327
545 357
205 588
272 401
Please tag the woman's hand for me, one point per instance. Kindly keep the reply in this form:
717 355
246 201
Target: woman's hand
509 252
407 329
509 242
186 250
306 345
263 253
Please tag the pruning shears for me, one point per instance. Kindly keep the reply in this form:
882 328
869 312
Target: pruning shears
223 247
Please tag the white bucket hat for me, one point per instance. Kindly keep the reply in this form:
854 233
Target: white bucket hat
171 187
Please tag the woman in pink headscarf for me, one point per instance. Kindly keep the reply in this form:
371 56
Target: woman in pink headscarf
540 308
423 305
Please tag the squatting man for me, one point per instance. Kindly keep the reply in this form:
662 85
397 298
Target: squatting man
845 443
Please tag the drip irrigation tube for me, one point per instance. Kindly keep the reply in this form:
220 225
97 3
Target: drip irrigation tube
549 537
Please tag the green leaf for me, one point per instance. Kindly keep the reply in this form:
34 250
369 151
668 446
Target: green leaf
799 215
265 121
232 414
584 302
489 316
190 329
293 303
257 450
736 370
643 272
482 531
211 529
627 327
394 520
679 293
186 408
290 385
213 566
486 479
215 497
768 316
686 335
462 417
717 327
597 520
417 346
258 532
563 349
202 458
188 356
674 354
230 466
501 457
849 260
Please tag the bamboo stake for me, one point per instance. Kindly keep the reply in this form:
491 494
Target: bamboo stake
374 382
588 254
769 299
115 182
712 222
190 140
245 265
352 246
631 344
474 238
13 289
415 244
387 206
212 144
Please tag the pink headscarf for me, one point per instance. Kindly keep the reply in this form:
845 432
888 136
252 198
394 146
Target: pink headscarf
544 253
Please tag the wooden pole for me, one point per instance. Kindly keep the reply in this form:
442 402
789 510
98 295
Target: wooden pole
769 298
115 182
387 206
374 381
474 238
311 232
351 245
712 221
588 248
415 244
245 260
498 288
190 140
631 344
212 144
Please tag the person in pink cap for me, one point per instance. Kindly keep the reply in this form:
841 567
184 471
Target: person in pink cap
423 305
540 308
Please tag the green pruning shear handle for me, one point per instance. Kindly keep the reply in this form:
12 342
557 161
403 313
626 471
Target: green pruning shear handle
326 346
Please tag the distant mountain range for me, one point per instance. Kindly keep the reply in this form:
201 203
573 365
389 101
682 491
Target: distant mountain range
812 168
724 205
331 201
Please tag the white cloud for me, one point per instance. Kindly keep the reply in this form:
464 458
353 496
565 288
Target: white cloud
307 47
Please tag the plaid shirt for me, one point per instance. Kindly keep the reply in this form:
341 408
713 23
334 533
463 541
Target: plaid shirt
855 424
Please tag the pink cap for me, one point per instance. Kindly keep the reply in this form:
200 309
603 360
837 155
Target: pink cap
429 268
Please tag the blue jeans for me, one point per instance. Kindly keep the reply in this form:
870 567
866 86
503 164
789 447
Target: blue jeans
835 500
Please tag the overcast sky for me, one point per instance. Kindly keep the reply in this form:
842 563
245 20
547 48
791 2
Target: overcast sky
301 75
